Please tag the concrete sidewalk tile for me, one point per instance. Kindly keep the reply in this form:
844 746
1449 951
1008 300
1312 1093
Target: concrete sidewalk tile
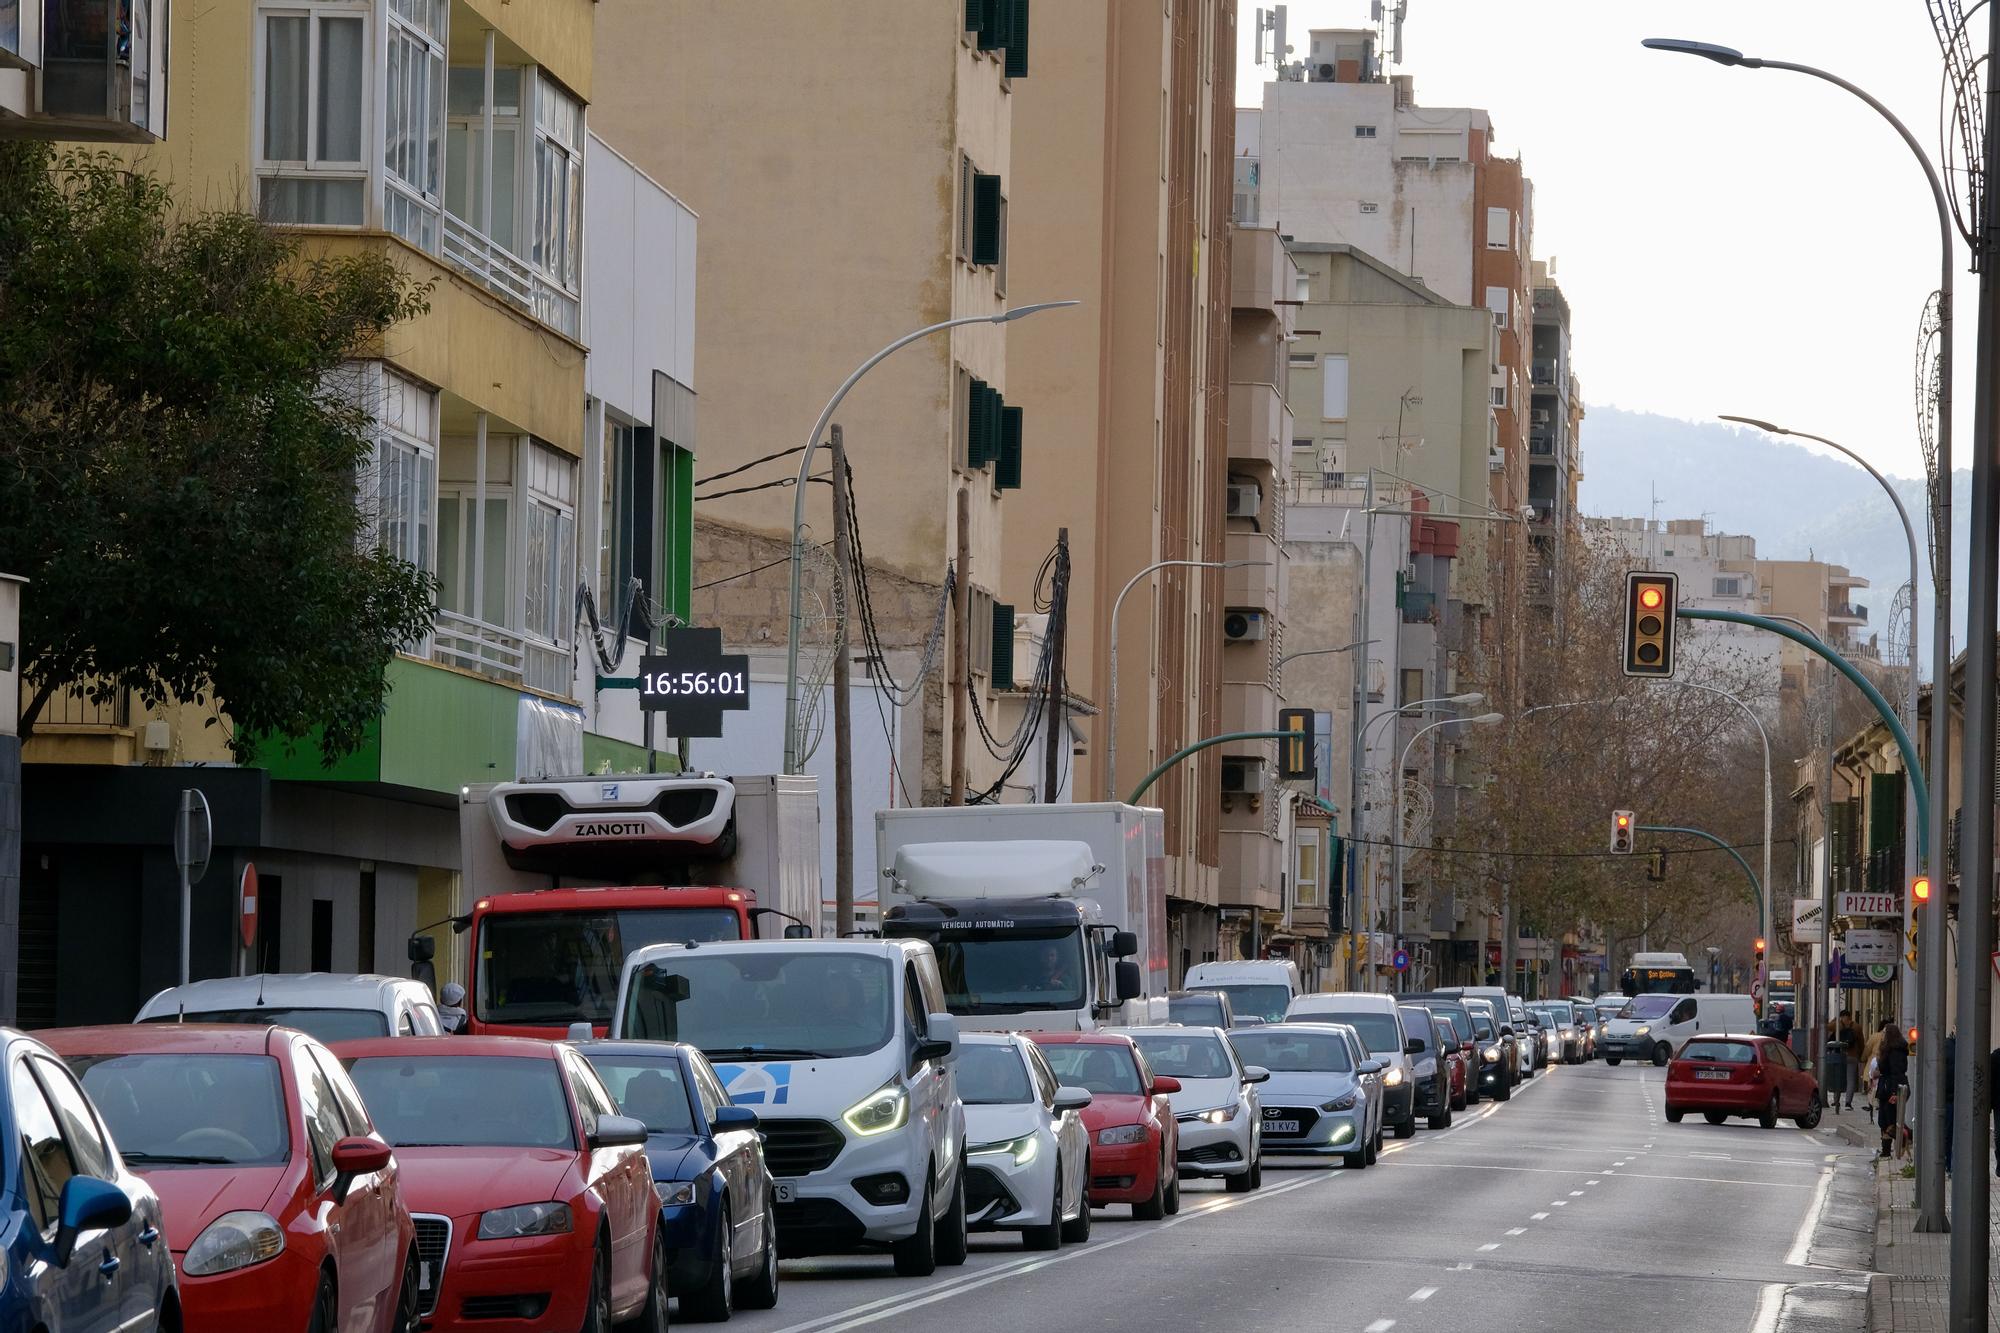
1911 1292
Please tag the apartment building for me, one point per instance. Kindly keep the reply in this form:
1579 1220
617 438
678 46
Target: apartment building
840 212
450 137
82 70
1555 424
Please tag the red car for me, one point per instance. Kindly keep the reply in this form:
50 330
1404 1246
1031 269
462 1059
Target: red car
1133 1141
1724 1075
1459 1054
284 1208
532 1195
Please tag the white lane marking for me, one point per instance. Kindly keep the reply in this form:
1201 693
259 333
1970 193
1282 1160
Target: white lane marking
1576 1194
1517 1231
1770 1302
1461 1268
1423 1293
1558 1203
1380 1326
1802 1243
1589 1183
1538 1217
1492 1245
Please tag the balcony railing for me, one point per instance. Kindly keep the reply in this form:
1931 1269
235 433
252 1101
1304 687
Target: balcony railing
504 654
72 706
1843 611
1541 446
1544 372
510 277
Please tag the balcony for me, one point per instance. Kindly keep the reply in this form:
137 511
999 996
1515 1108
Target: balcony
1247 705
1544 374
1541 444
496 268
93 70
1260 271
1252 587
1842 613
1250 860
1260 425
502 654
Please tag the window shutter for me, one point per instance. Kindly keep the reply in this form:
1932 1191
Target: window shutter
1007 476
1003 646
985 421
985 219
975 15
1017 46
997 30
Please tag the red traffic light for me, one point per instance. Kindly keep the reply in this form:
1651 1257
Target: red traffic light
1760 944
1920 889
1913 1036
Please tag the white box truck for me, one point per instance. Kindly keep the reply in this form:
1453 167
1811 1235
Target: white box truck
1049 916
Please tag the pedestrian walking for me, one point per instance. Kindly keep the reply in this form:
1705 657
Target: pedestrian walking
1835 1075
1850 1045
1892 1066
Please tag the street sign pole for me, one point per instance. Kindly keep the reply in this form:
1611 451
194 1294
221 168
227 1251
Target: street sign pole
193 835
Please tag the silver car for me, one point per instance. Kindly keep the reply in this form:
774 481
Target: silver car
1321 1100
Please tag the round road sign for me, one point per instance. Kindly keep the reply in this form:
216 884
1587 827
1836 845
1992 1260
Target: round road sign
1400 960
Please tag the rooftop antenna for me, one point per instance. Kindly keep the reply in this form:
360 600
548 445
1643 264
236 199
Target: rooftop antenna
1272 22
1402 12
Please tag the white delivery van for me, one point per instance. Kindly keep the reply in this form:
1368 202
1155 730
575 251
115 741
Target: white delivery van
844 1049
1260 988
1653 1026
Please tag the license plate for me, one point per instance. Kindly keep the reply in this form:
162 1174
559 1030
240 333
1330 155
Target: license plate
423 1277
1281 1126
784 1191
1711 1073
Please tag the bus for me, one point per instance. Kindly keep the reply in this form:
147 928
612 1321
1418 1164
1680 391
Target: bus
1658 973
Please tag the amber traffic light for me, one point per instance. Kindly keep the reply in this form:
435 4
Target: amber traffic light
1920 890
1649 623
1760 948
1621 832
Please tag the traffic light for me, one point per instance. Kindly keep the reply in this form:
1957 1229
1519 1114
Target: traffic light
1621 832
1920 890
1656 865
1910 954
1295 752
1760 948
1649 623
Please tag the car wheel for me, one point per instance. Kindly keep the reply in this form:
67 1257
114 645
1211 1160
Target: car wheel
1356 1160
1173 1195
1077 1230
951 1242
1407 1128
1714 1117
1155 1208
325 1318
597 1312
1810 1120
1373 1152
1240 1183
652 1317
1441 1121
1257 1174
1769 1117
761 1291
1049 1237
1612 1060
715 1301
1674 1114
409 1306
916 1254
1661 1054
1503 1091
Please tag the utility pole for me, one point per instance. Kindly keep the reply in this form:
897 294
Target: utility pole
1053 739
843 722
961 648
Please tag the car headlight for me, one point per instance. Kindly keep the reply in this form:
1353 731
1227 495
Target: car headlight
1121 1134
233 1241
1567 1034
1393 1079
674 1193
1492 1052
883 1110
1022 1150
525 1219
1339 1103
1641 1031
1218 1115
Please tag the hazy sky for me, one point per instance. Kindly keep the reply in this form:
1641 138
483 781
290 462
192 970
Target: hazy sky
1730 240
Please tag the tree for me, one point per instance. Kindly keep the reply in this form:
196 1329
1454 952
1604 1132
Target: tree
179 463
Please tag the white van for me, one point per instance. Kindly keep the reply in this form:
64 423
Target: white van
330 1006
844 1050
1260 988
1653 1026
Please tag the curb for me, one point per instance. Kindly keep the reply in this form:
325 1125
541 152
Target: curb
1843 1244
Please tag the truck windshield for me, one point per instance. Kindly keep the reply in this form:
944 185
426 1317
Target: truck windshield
557 968
1265 1001
1010 970
770 1004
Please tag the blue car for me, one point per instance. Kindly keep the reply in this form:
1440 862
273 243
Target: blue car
84 1246
718 1207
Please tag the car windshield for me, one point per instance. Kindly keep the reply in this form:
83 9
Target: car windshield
1551 1016
1415 1026
1649 1006
557 968
767 1003
465 1101
992 1074
192 1109
647 1088
1728 1052
1186 1054
1293 1052
1449 1022
1261 1000
1012 972
1378 1031
1196 1010
324 1024
1092 1066
1482 1022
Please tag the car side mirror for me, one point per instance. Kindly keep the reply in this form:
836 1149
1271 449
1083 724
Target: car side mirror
1072 1099
940 1038
1414 1046
727 1118
798 931
1256 1074
87 1204
1124 944
353 1157
1166 1083
618 1131
1131 982
1369 1067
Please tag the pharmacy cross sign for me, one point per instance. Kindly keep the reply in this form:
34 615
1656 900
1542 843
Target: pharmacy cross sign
691 680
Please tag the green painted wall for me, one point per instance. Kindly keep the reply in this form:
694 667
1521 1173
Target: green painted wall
620 756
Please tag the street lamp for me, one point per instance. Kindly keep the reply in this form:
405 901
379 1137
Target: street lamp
1979 666
1396 808
1111 692
792 759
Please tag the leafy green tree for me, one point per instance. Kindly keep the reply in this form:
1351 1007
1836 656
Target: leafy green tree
180 467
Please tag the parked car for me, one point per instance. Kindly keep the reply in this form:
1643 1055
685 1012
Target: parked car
1259 987
1378 1020
1566 1040
1461 1055
1027 1152
1724 1075
1200 1008
1499 1049
83 1231
1433 1065
717 1214
1134 1140
1535 1055
1318 1101
1653 1026
532 1195
1471 1044
331 1006
284 1207
1216 1106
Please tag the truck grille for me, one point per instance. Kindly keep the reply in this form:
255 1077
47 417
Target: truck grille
433 1248
799 1147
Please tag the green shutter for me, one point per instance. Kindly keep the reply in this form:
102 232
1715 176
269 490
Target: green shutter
1017 47
1003 646
985 218
977 418
997 31
975 15
1007 476
1885 810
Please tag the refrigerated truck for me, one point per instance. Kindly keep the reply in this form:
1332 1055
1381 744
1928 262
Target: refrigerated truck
1046 916
568 876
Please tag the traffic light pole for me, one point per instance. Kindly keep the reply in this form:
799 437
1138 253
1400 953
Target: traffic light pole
1756 889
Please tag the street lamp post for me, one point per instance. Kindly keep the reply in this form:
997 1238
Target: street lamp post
792 745
1930 1035
1111 691
1396 815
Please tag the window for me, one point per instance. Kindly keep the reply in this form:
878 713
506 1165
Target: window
406 419
413 132
1497 300
1305 868
45 1159
551 542
593 1099
616 520
79 1122
1302 360
472 564
1411 689
989 219
1500 395
556 234
465 150
1333 388
981 646
345 1095
1302 286
1364 131
1499 229
985 425
310 165
965 175
1007 467
1728 587
1003 646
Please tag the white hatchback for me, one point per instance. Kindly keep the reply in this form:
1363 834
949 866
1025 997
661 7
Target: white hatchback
1216 1109
1027 1156
329 1006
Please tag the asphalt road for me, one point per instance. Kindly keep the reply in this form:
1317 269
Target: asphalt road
1573 1207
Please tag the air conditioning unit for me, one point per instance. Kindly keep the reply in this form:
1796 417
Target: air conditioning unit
1242 626
157 738
1324 71
1242 776
1540 416
1245 501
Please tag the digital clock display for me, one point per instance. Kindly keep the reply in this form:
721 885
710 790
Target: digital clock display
668 684
692 681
